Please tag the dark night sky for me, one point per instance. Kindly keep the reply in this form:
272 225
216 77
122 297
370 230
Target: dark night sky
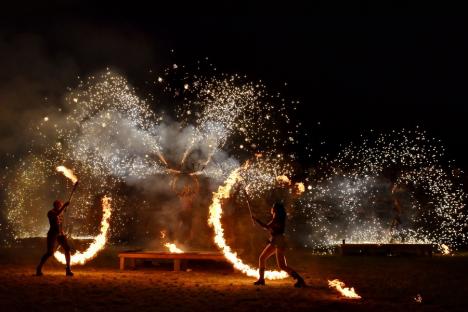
354 68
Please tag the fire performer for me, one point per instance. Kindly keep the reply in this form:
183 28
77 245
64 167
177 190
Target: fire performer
396 221
56 235
276 244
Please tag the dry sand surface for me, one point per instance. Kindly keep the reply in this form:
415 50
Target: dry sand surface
386 284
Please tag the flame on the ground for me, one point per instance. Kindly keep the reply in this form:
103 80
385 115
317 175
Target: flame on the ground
214 220
99 241
67 173
345 291
445 249
418 298
173 248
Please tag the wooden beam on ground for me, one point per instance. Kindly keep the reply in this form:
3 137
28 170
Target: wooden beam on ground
180 259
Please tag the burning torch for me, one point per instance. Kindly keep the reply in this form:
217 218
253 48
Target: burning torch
70 175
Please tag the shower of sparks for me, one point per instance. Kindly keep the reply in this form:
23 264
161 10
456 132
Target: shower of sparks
113 137
397 178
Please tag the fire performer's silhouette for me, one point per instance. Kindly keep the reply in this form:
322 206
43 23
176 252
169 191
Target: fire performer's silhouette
276 244
396 221
55 235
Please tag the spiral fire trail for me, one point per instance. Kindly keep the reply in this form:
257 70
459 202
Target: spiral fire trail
99 241
215 214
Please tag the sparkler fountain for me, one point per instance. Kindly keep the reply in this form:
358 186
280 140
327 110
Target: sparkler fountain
114 137
388 188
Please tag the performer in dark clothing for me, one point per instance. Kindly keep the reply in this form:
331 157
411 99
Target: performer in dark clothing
55 235
277 244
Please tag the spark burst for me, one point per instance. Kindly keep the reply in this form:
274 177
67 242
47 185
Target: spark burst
112 136
358 194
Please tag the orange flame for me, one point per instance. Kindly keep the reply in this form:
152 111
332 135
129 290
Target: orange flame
300 188
283 179
99 241
345 291
173 248
67 173
214 221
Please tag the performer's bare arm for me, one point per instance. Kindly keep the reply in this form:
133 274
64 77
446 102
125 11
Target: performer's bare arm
63 207
263 225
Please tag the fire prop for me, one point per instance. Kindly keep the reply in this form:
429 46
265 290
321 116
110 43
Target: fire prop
215 214
344 291
67 173
100 240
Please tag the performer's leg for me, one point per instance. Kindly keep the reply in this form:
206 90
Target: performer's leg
62 239
51 239
266 253
281 261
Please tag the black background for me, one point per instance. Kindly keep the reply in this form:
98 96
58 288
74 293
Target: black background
354 67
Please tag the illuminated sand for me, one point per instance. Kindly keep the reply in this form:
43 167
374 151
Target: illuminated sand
385 283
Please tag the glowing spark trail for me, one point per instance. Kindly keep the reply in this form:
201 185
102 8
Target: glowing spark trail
345 291
99 241
215 214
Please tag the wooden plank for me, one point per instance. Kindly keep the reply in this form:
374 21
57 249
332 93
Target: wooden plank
122 263
386 249
192 256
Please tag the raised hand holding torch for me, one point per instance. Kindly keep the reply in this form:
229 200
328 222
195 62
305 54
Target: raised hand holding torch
70 175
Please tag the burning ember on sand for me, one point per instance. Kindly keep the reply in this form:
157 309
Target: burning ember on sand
418 298
99 241
344 291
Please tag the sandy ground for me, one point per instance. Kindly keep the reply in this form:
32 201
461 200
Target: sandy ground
385 283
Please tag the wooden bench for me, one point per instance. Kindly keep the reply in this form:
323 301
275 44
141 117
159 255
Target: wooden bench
386 249
178 258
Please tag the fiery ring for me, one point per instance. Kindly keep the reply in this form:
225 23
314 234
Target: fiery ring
98 242
214 221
